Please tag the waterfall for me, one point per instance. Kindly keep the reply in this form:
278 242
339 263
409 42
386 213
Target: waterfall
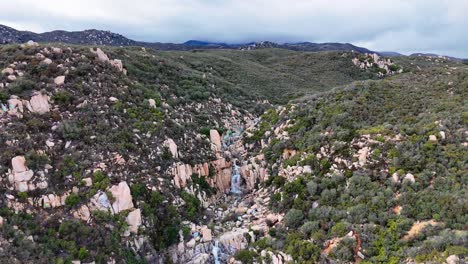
215 252
235 181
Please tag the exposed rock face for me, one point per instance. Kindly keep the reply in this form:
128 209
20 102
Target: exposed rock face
31 44
46 61
253 172
200 259
288 153
20 174
410 177
234 239
215 139
453 259
101 55
117 64
221 180
134 220
82 213
172 147
15 106
123 198
418 227
39 103
53 200
385 66
59 80
8 71
104 58
152 103
101 202
362 155
206 233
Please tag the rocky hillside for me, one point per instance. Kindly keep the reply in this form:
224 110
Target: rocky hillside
128 155
373 172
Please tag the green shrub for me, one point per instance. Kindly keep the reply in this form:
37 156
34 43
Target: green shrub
293 218
245 256
72 200
62 98
83 253
20 86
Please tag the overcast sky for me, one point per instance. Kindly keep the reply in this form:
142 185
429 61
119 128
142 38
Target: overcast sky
406 26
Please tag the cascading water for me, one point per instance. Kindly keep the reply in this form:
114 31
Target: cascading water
215 252
236 180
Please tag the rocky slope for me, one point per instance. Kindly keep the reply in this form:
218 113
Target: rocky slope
126 155
374 172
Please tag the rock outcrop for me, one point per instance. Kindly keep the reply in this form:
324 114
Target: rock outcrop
101 56
39 103
123 197
59 80
169 143
215 139
134 220
20 174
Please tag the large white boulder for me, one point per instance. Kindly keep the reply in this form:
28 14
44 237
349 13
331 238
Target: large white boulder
134 220
117 64
8 71
39 103
215 139
169 143
206 233
101 55
20 174
59 80
123 197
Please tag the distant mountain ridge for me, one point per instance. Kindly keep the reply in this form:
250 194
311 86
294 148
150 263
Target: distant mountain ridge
100 37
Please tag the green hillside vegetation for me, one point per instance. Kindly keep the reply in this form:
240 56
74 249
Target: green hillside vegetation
241 76
362 199
110 127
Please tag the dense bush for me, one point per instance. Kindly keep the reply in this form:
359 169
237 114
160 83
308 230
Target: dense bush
293 218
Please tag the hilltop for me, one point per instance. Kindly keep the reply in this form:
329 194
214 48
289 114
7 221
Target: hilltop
10 35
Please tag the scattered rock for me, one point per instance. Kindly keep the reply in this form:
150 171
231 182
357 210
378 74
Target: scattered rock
152 103
453 259
409 177
82 213
206 233
60 80
442 135
39 103
123 198
215 139
46 61
134 220
8 71
169 143
32 44
21 174
117 64
101 55
11 78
